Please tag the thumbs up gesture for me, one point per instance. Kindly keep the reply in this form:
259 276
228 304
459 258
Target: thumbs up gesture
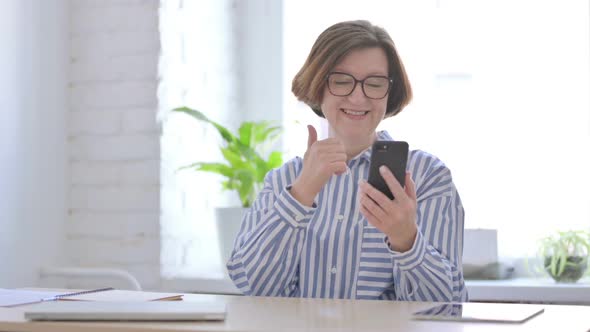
322 159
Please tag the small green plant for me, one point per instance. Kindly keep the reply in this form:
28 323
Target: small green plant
245 168
565 255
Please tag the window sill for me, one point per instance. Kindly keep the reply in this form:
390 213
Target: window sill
529 290
513 290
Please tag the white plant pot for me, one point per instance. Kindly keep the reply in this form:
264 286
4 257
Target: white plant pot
228 222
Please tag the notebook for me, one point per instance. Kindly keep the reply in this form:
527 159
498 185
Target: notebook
126 311
481 312
117 295
16 297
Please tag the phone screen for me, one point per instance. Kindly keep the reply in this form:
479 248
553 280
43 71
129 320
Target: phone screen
394 155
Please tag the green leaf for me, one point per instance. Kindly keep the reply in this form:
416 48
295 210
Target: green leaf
233 158
261 170
247 152
263 132
224 132
553 265
246 167
245 132
246 178
561 261
275 159
226 185
191 166
218 168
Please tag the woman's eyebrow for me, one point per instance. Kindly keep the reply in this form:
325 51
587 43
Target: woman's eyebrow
373 73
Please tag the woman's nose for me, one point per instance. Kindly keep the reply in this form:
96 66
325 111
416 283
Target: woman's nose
357 94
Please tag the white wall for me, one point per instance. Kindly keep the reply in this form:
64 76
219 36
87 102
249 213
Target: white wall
114 138
260 59
80 142
33 153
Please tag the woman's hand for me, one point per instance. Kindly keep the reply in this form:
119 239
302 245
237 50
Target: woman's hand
395 218
321 160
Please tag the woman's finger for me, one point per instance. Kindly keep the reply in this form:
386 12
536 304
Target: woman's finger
375 209
410 186
375 195
393 184
371 218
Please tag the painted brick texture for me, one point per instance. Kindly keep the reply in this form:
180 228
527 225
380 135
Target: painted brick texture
114 137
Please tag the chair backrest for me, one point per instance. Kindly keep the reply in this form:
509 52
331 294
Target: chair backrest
87 277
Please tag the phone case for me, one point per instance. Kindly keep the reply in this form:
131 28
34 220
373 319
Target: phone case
393 154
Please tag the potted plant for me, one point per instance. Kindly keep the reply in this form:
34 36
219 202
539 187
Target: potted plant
243 171
565 255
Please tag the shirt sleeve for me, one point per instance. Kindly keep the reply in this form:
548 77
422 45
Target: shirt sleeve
266 255
432 269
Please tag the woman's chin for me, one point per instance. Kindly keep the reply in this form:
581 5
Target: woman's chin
356 136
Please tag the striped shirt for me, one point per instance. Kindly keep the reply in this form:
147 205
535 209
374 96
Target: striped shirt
285 248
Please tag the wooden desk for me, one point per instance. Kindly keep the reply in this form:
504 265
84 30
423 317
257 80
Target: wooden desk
280 314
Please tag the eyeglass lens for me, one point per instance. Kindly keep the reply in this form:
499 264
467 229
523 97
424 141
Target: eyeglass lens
374 87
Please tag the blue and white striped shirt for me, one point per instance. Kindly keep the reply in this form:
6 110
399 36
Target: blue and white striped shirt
330 251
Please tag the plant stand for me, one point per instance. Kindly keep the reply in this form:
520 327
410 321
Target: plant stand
228 221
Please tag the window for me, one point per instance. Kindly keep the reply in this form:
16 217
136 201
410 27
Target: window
204 79
500 95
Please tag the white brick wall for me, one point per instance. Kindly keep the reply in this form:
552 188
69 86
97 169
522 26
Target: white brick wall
120 146
114 137
120 93
129 207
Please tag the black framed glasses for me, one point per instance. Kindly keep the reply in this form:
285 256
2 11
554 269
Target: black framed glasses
343 84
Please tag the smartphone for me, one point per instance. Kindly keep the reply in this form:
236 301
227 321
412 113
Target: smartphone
394 155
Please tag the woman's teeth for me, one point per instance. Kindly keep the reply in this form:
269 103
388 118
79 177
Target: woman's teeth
355 112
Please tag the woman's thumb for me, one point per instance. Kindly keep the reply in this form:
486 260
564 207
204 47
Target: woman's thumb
312 137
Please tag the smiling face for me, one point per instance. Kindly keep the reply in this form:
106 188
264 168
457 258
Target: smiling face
354 118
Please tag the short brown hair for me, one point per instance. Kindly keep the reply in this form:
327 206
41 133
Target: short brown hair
329 49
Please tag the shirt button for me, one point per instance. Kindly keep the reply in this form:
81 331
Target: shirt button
333 270
339 217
